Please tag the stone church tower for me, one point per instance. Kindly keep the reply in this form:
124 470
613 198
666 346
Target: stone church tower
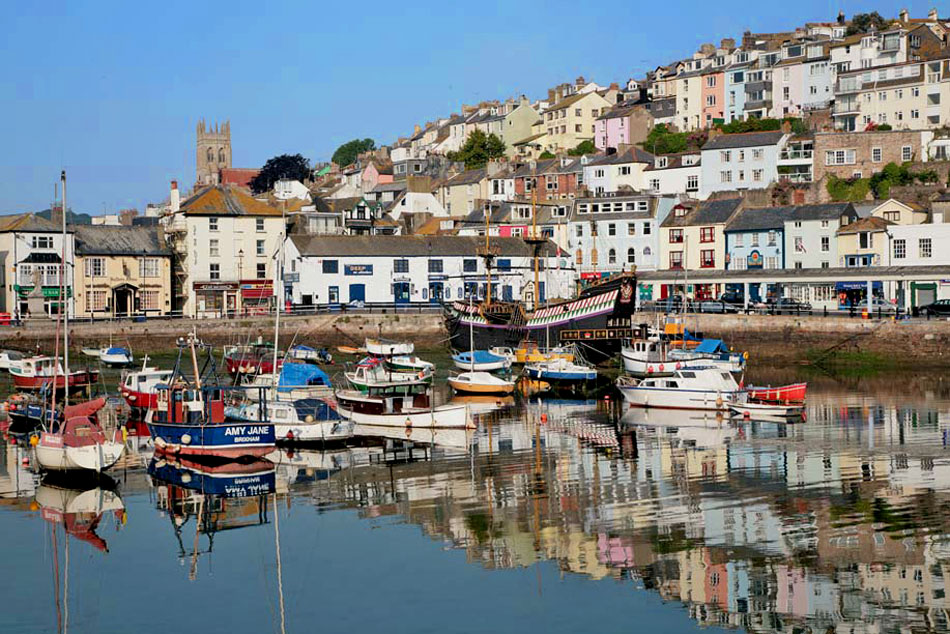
213 152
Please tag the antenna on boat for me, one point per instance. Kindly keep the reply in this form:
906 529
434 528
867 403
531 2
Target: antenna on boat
278 289
64 309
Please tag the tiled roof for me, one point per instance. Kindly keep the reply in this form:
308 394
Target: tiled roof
760 218
826 211
27 222
744 139
468 177
226 200
631 155
240 176
111 240
397 186
871 223
710 212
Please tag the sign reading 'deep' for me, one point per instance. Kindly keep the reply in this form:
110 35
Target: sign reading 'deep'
358 269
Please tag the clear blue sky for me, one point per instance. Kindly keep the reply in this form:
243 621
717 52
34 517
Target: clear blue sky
112 91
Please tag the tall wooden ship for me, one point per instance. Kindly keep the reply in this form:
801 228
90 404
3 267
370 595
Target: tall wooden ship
596 321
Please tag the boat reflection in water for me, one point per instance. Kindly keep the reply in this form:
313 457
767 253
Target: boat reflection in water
79 505
218 496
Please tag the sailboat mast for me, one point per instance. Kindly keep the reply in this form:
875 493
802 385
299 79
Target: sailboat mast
471 333
278 290
64 304
534 233
487 255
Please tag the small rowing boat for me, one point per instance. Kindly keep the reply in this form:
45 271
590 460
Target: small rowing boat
480 383
480 361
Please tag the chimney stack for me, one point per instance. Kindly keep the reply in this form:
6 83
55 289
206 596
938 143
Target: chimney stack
903 16
932 15
174 198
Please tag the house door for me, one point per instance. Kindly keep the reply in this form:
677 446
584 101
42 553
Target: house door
435 292
401 292
357 293
123 298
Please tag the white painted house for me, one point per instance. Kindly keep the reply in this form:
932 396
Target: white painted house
732 162
609 173
31 250
810 235
673 174
332 271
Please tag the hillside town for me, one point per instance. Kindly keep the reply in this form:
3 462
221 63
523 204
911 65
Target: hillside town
810 165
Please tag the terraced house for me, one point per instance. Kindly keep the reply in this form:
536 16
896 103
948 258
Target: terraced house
572 120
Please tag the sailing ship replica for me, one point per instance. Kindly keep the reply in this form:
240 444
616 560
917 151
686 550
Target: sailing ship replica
596 321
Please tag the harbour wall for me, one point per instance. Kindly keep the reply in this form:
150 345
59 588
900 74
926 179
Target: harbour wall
777 338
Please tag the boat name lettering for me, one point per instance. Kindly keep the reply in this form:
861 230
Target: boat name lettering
244 431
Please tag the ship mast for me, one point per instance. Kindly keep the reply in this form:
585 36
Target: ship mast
534 239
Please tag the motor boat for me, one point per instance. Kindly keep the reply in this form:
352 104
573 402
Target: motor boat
560 371
388 348
408 363
403 410
704 387
302 420
139 389
371 374
36 373
712 352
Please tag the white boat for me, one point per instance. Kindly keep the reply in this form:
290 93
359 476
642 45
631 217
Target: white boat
648 357
409 363
400 411
458 438
688 388
561 371
767 411
371 375
480 383
303 420
710 352
79 444
294 382
111 356
10 358
309 355
387 348
139 389
480 361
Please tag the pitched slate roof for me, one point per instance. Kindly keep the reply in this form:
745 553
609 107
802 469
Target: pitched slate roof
28 222
407 246
826 211
631 155
226 200
760 219
396 186
710 212
111 240
467 177
744 139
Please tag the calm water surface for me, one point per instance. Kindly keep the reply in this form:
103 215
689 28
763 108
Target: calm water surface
552 516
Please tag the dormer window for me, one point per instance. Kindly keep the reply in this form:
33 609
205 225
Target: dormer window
679 212
661 162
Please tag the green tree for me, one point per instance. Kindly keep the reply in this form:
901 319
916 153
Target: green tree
584 147
546 155
290 166
478 149
661 140
864 22
347 153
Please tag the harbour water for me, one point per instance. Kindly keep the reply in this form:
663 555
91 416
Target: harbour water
552 516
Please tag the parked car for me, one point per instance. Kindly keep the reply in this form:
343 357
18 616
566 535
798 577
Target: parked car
672 304
877 304
788 305
734 299
941 308
717 306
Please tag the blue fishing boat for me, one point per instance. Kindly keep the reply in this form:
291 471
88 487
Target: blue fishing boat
480 361
189 419
228 480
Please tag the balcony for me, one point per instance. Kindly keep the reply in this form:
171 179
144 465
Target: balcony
848 85
796 177
795 155
849 106
758 104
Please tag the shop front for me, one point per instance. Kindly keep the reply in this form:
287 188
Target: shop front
256 296
852 293
216 299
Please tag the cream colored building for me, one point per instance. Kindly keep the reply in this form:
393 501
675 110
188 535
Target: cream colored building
572 120
121 271
31 249
689 96
693 238
908 96
459 194
225 243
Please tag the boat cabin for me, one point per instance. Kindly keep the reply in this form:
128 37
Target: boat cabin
146 380
187 405
695 379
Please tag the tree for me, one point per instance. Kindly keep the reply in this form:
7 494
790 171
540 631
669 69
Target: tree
478 149
584 147
661 140
349 151
545 155
289 166
864 22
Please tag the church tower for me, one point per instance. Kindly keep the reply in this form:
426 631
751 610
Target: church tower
213 152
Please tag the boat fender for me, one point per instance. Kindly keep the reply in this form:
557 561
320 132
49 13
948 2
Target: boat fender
132 397
125 434
290 433
34 440
186 477
649 369
745 355
746 415
186 439
544 418
308 418
661 367
408 422
678 365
